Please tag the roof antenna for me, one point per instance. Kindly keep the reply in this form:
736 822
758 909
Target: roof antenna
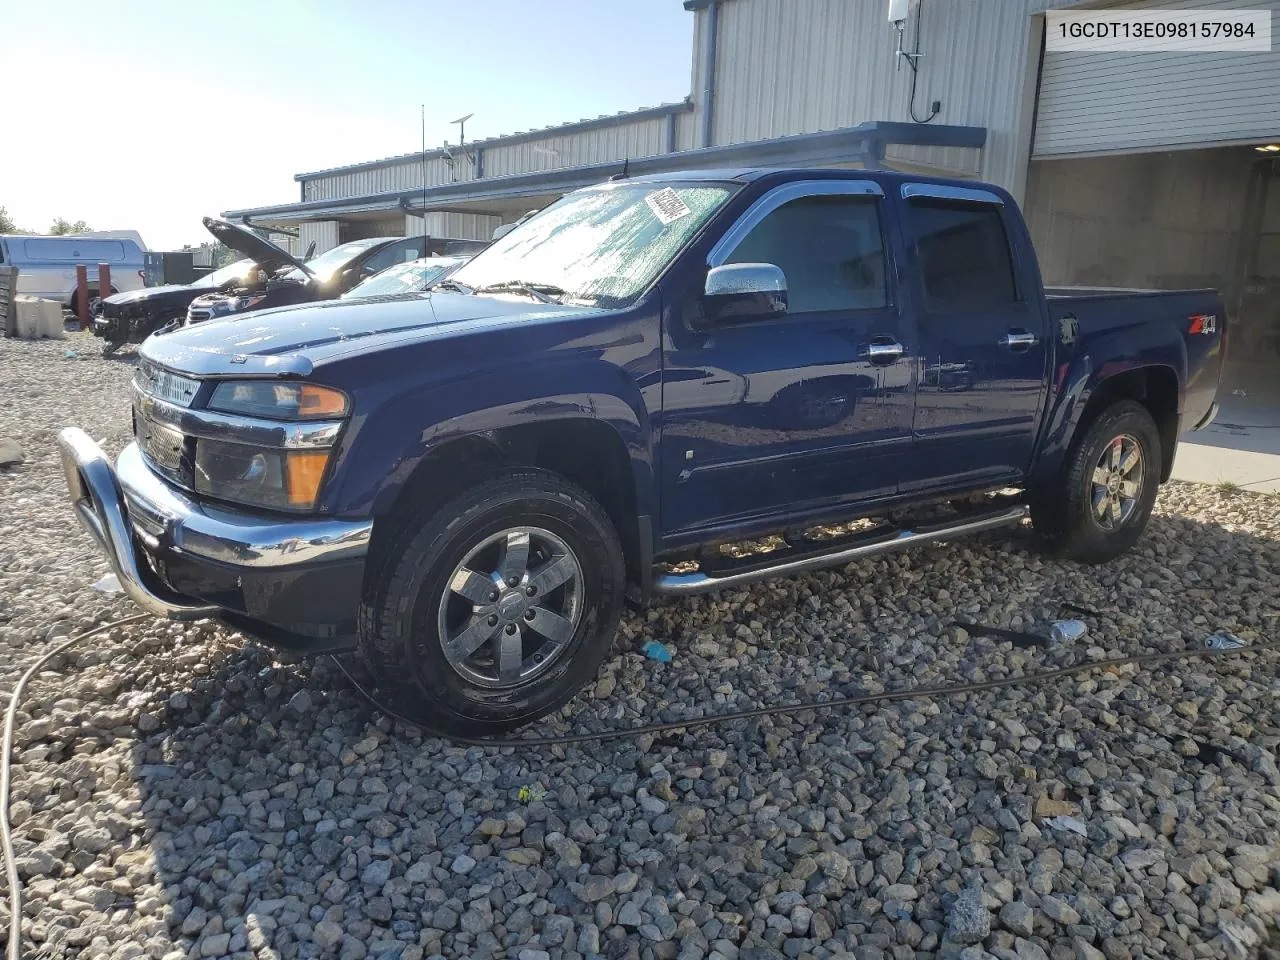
626 170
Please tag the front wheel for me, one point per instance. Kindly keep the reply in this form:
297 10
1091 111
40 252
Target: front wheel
1102 500
498 607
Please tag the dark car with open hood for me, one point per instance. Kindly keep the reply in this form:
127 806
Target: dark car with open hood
134 315
281 279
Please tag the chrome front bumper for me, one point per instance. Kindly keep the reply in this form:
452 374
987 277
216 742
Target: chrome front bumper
129 506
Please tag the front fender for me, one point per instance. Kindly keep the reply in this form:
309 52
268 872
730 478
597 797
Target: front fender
1080 376
385 445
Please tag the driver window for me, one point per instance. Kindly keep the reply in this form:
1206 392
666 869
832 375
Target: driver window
828 246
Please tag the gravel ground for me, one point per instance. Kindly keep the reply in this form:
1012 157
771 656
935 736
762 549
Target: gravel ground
178 793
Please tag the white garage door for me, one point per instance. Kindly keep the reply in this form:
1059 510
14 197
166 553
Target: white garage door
1109 102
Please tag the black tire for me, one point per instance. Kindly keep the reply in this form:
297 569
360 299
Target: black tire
1063 512
400 636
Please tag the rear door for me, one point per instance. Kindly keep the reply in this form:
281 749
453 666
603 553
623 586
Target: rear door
983 356
775 417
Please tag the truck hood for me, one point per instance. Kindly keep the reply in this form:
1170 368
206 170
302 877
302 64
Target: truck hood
291 341
248 244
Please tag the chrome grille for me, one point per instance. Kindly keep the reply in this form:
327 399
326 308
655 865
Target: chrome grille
163 447
165 384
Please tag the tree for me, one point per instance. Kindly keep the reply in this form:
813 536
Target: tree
61 227
6 223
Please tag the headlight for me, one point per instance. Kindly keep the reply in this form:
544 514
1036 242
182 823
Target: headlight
272 478
279 400
236 304
285 477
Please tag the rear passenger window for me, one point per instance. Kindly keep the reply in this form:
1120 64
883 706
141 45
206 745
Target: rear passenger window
828 246
964 256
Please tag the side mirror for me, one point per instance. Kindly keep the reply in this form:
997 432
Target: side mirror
742 292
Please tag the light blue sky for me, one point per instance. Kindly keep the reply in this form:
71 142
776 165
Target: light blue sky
149 115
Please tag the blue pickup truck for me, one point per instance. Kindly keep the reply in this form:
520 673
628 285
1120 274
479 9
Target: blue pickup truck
666 384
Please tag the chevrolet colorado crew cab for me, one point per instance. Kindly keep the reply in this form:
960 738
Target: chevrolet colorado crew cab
664 384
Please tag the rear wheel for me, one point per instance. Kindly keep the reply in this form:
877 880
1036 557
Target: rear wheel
498 607
1102 500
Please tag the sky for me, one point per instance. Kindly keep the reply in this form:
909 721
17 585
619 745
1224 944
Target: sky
132 114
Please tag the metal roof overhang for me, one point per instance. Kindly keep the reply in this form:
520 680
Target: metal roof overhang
862 144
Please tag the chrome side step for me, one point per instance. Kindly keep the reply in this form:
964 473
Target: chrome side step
705 582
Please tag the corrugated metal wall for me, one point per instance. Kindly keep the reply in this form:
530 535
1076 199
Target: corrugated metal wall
323 232
401 176
798 66
644 139
1096 102
1162 220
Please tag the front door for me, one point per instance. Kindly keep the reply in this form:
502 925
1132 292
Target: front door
982 341
781 416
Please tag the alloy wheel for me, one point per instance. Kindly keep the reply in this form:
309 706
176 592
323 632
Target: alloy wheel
511 607
1117 483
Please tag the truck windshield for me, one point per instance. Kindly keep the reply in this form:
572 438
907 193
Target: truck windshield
603 245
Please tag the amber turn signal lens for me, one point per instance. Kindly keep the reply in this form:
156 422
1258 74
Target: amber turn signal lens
304 469
315 402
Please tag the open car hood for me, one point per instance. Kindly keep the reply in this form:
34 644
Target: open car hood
248 244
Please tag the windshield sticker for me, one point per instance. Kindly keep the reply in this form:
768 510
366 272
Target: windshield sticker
667 206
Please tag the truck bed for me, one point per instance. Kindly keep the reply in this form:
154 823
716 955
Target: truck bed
1120 324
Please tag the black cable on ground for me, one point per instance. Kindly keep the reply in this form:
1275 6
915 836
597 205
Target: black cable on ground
890 696
14 949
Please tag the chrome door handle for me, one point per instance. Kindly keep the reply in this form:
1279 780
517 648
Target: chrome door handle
884 352
1018 340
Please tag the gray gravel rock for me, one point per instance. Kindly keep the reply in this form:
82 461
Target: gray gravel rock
10 453
178 791
1018 918
969 920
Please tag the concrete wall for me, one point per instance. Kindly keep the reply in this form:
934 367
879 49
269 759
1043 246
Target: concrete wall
1163 220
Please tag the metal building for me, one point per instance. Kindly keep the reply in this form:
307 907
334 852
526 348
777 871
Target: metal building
1135 169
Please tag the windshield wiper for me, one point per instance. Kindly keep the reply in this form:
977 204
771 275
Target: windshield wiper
451 285
542 292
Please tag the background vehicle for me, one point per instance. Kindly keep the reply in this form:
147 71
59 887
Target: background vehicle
412 277
47 265
463 489
133 316
281 279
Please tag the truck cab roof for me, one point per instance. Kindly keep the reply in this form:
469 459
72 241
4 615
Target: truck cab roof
888 179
